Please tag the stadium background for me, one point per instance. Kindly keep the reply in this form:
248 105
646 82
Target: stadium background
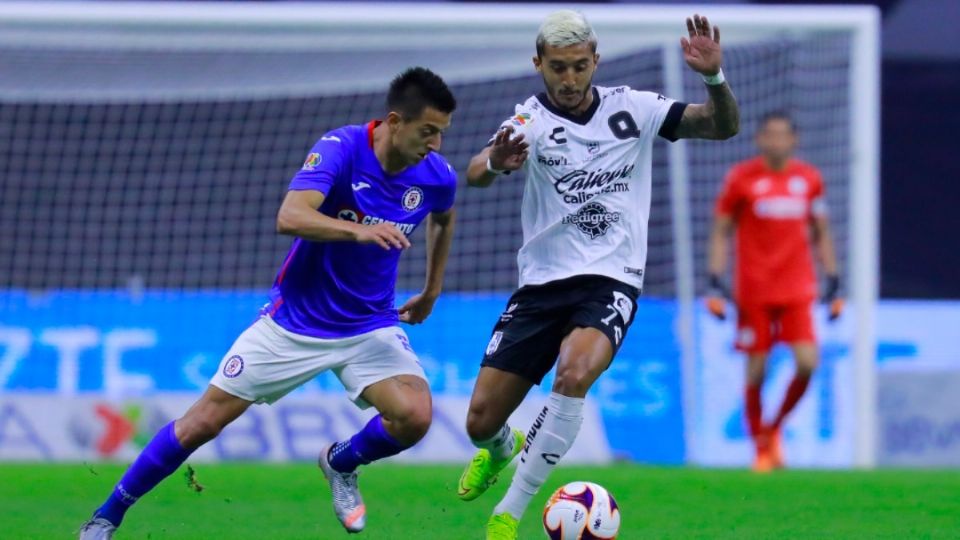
131 256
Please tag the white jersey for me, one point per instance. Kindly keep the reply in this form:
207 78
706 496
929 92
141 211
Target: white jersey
586 202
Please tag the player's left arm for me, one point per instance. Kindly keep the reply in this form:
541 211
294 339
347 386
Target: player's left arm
439 237
719 117
823 244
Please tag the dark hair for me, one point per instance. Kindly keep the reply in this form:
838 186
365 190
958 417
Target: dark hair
417 88
777 115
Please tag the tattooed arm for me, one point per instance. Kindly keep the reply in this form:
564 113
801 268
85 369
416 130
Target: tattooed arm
719 117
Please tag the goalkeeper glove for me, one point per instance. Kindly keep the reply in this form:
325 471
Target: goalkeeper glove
717 295
832 298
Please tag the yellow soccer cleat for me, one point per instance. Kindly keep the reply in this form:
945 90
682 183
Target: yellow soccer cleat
483 470
503 527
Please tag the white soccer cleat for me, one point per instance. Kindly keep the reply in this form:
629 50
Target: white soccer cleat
347 502
97 529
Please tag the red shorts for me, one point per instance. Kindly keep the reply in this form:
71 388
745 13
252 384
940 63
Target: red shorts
760 326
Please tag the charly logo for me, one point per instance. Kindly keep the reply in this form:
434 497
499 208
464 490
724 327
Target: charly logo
412 198
579 186
593 219
233 367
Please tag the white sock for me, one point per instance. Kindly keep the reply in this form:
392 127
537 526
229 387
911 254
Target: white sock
500 445
551 435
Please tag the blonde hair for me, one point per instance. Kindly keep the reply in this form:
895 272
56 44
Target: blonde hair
565 28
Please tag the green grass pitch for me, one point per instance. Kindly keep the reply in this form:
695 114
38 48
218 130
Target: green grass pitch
257 501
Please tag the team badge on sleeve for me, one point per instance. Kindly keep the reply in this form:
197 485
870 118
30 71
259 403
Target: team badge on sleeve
313 159
412 199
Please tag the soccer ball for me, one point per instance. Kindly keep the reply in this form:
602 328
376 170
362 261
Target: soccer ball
581 511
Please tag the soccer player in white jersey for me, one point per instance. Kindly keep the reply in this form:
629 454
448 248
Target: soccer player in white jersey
361 192
586 152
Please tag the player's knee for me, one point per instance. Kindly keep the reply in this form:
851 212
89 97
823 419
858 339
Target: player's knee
806 366
574 378
414 423
480 426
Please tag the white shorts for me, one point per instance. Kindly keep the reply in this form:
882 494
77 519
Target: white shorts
268 361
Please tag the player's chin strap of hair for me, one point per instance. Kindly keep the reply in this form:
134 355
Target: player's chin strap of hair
714 80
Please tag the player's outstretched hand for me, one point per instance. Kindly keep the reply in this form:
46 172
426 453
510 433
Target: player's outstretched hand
702 50
717 296
416 309
508 154
384 235
832 298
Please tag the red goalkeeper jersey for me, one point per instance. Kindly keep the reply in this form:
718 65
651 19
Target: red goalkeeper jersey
772 211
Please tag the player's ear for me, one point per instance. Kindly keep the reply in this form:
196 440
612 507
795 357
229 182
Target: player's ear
394 119
538 64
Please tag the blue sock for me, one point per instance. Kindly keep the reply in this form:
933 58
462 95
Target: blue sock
368 445
160 458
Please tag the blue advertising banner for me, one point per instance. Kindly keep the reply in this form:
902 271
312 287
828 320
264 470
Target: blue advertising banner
120 345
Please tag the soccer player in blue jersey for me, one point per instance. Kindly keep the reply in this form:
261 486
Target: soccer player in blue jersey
362 191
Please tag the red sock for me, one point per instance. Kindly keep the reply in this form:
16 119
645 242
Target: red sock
754 409
798 386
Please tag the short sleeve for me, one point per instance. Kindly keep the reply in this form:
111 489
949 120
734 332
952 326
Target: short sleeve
818 199
447 192
323 165
658 114
729 199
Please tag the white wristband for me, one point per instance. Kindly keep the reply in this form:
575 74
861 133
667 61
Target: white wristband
491 169
714 80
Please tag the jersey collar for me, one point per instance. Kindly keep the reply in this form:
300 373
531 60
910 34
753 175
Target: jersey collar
582 119
370 127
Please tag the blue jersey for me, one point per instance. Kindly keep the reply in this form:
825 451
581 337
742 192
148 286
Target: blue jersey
341 289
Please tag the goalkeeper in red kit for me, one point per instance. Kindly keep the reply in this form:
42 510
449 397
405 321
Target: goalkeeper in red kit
774 204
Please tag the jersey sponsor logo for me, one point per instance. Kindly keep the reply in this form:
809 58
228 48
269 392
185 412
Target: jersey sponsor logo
330 138
360 185
494 343
521 119
551 161
579 186
412 198
781 208
593 219
557 135
233 367
313 159
632 270
405 228
593 147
